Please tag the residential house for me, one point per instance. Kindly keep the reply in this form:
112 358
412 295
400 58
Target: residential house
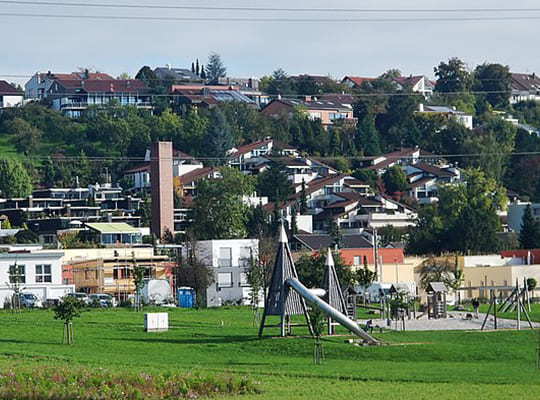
498 271
417 84
423 180
139 175
403 157
49 212
229 261
110 270
37 87
206 96
524 87
9 96
450 112
71 97
39 273
248 158
354 212
113 234
177 75
354 82
249 87
327 111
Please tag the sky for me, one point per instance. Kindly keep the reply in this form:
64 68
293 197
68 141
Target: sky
257 48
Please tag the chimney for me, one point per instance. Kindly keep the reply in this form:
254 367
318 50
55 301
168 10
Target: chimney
30 201
168 66
421 107
109 217
161 176
68 210
307 98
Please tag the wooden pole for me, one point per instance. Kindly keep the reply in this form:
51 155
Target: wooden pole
487 315
518 308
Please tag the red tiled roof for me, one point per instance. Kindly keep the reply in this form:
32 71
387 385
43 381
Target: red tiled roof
357 80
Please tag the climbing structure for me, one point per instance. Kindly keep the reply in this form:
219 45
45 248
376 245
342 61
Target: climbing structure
280 300
334 295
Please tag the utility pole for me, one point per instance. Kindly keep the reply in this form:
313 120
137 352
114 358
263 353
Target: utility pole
375 255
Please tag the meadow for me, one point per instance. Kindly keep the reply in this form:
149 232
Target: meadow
224 342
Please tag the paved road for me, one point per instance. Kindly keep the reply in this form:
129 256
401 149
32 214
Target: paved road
456 321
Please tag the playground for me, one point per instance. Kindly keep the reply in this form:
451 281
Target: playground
225 350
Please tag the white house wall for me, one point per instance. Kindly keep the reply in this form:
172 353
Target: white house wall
237 292
50 290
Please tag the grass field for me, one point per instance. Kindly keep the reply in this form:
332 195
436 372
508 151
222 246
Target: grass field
419 365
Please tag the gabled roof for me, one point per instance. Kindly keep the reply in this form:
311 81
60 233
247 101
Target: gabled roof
420 182
434 170
316 184
194 175
357 80
7 89
177 73
524 82
249 147
436 287
140 168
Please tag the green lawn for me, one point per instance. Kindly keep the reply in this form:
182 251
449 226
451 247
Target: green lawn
448 365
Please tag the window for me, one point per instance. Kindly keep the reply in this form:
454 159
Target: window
17 274
43 273
245 257
356 260
243 279
225 257
224 280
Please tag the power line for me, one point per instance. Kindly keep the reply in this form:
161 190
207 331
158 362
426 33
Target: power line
235 19
275 9
285 158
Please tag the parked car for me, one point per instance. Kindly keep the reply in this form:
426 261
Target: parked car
29 300
102 300
82 297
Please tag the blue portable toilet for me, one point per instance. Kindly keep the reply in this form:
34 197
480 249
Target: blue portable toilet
185 297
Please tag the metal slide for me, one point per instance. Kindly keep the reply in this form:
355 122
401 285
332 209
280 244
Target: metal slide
329 310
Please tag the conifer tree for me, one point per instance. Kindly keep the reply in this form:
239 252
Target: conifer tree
529 236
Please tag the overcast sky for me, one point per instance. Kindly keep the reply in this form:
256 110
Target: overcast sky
33 44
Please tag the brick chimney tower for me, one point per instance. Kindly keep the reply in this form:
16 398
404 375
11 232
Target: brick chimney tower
161 177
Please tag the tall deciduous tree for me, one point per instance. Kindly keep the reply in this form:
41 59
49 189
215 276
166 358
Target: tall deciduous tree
14 180
395 180
218 211
215 68
464 220
529 235
452 76
493 80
